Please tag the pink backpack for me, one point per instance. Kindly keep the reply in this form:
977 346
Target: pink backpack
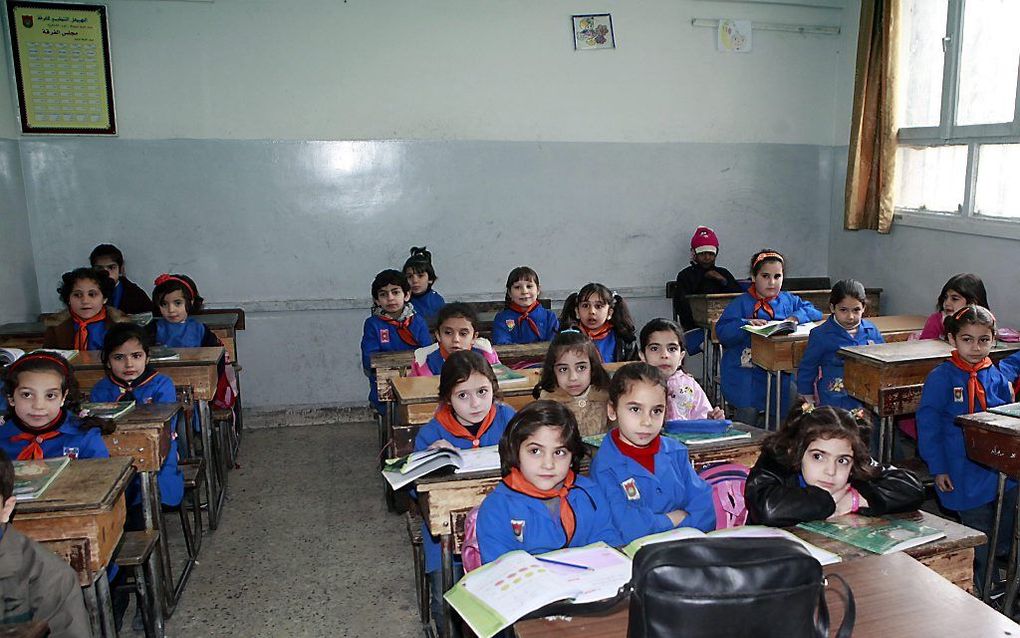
727 481
470 554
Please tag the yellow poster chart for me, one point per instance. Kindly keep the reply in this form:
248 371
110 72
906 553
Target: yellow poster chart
62 67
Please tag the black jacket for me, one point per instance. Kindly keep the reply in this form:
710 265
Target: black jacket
134 301
693 281
774 497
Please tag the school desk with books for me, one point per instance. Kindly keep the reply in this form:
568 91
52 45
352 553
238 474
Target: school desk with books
896 596
888 377
738 443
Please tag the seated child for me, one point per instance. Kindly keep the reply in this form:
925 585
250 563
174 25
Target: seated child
573 375
817 466
662 345
968 382
38 426
130 378
37 584
543 503
422 276
85 292
174 300
394 325
127 296
456 329
469 416
603 315
648 479
961 290
820 374
524 320
702 277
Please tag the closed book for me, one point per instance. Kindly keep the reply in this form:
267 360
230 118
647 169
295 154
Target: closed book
875 534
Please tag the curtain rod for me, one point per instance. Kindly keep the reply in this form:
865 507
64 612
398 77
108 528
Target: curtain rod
773 26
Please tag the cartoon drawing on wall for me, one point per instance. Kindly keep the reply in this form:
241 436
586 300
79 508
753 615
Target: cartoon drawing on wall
593 32
735 36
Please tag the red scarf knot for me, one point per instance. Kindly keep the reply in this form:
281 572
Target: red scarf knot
975 390
599 333
403 329
516 482
81 334
524 314
36 436
450 423
761 303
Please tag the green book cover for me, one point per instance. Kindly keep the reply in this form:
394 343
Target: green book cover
31 478
875 534
505 375
106 410
1010 409
700 438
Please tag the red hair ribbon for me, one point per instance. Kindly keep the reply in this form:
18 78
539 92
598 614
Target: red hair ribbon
165 277
37 356
767 255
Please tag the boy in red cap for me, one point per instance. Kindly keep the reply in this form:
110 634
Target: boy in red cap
702 277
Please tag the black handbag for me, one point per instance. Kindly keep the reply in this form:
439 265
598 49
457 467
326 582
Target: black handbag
732 588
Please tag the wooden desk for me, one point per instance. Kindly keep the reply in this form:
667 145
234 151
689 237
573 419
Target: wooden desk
888 377
783 354
994 440
895 596
81 519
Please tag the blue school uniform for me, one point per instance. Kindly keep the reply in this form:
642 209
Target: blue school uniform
73 440
940 440
743 383
380 336
434 431
155 388
639 499
607 347
509 520
823 343
507 329
190 333
428 304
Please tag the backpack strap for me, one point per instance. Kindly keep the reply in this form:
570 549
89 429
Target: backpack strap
849 610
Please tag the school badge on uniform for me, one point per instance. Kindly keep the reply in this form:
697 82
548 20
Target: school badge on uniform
958 395
71 452
630 489
518 529
384 335
510 324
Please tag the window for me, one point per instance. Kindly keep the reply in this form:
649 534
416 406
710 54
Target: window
959 139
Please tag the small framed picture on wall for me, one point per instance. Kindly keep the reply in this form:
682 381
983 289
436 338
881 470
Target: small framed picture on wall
593 31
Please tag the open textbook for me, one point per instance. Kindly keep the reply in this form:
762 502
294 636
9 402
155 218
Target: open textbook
779 328
406 469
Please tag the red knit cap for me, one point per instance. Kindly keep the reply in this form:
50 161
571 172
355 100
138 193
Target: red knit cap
704 240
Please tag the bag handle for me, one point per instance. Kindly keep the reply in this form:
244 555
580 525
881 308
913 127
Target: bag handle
849 610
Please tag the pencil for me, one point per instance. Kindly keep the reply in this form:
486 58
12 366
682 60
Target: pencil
562 564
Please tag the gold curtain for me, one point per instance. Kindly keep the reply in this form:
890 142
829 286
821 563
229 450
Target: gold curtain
871 167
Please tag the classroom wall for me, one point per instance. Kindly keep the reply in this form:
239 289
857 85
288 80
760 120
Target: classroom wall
282 153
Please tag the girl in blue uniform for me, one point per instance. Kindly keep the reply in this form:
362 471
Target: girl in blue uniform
422 276
820 374
456 329
968 382
42 395
394 325
543 503
743 384
85 292
129 378
649 480
174 299
603 315
523 320
469 416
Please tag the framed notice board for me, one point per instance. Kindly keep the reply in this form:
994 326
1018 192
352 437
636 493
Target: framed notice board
62 67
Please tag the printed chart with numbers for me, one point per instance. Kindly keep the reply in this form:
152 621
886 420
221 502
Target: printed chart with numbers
62 67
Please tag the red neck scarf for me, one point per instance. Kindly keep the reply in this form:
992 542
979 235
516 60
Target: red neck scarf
450 423
516 481
81 334
644 456
403 329
35 436
525 315
127 388
598 333
975 391
761 303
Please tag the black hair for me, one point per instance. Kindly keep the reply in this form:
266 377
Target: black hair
6 477
634 372
806 424
389 277
621 321
420 262
662 325
575 341
764 256
52 362
848 288
535 415
70 278
167 283
121 333
520 273
459 367
106 250
970 287
968 316
453 310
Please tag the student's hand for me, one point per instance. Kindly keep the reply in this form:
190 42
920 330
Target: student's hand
793 319
756 322
714 274
442 443
716 413
844 501
944 483
677 517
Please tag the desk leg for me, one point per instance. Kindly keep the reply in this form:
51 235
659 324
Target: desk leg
717 373
1013 571
779 401
446 544
216 490
706 349
105 604
92 607
986 582
885 438
768 399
